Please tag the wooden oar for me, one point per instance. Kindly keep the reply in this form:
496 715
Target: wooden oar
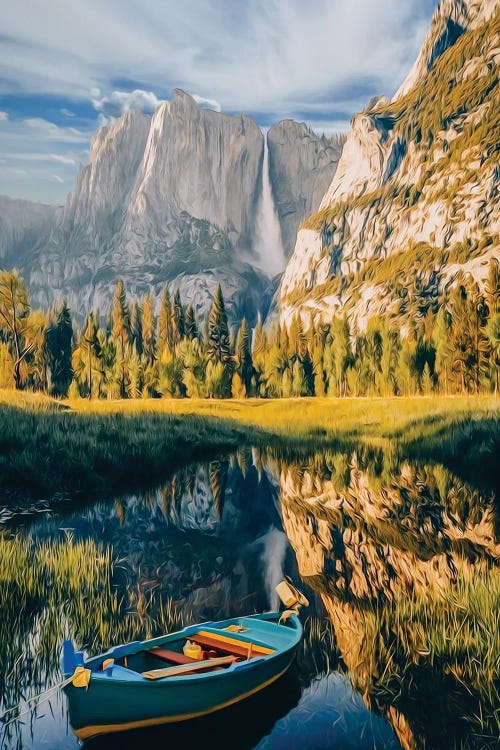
199 666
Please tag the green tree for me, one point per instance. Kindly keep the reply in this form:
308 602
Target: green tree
87 362
469 345
179 321
191 324
493 333
216 380
122 334
165 324
297 337
14 318
195 365
37 362
492 288
492 296
339 357
259 355
136 324
391 347
218 344
59 343
148 331
244 357
171 371
440 339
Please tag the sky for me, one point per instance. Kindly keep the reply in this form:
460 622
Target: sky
68 67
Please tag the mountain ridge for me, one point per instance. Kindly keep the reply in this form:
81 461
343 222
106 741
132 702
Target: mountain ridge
414 197
169 198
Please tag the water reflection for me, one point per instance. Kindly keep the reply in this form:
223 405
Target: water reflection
402 557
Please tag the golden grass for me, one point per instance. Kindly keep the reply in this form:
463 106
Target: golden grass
371 416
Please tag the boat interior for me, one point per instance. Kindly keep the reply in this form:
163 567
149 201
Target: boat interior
194 650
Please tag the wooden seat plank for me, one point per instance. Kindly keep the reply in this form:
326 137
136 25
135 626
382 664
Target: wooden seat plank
174 656
185 669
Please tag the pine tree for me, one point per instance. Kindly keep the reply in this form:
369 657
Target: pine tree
492 295
426 380
165 324
14 322
493 333
218 348
259 356
341 354
469 345
121 333
148 331
492 288
244 357
137 327
179 323
87 359
191 324
59 343
440 339
391 346
406 375
297 337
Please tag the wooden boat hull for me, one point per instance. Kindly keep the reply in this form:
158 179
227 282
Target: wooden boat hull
114 705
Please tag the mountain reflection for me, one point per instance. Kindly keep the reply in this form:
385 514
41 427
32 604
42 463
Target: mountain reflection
404 560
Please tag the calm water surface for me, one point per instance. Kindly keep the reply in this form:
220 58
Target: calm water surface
378 545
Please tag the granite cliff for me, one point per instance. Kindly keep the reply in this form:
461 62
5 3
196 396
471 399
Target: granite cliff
415 196
174 198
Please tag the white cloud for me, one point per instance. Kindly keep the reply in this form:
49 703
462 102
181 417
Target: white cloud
118 102
257 56
202 101
3 116
31 149
52 132
319 62
62 158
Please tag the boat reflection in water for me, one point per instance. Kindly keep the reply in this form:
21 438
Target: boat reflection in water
239 726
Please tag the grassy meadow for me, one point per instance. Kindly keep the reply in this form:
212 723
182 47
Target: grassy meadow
53 449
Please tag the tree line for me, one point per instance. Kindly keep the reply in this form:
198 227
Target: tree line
140 350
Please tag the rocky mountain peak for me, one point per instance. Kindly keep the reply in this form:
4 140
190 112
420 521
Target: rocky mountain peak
451 19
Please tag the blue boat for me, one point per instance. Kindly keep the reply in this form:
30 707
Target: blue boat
183 675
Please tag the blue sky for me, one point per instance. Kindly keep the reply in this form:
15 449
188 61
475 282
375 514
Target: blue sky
68 67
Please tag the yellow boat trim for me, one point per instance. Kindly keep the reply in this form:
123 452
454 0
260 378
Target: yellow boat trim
86 732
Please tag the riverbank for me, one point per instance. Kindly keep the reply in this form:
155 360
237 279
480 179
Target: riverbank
88 449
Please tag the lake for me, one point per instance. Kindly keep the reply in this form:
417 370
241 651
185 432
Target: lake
398 559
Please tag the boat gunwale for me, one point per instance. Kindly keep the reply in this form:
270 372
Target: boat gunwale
140 681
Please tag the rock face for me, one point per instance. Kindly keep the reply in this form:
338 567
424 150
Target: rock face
302 165
415 195
164 198
22 223
171 198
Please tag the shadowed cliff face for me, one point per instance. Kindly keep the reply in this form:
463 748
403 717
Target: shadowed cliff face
302 165
405 562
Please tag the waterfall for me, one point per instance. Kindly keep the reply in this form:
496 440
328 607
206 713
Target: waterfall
268 244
